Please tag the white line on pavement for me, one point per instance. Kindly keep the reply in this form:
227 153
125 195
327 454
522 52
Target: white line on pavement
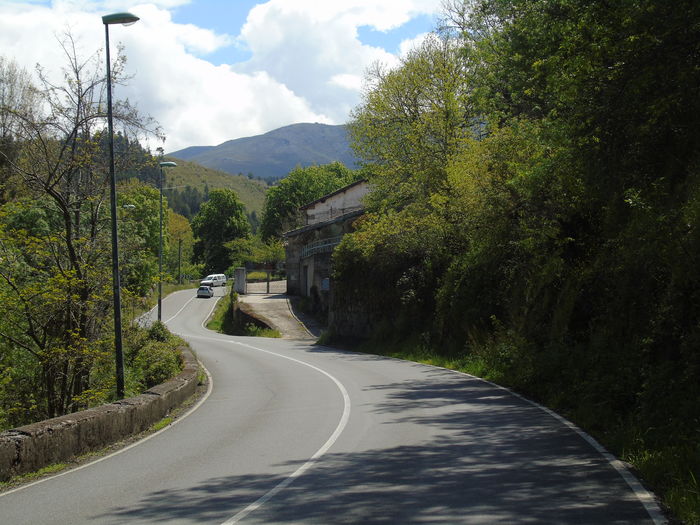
320 452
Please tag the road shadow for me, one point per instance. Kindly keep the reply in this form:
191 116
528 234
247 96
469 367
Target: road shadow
494 458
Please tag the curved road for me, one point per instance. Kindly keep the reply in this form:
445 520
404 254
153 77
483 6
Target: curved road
295 433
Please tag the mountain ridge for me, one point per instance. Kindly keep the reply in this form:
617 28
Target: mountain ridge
274 154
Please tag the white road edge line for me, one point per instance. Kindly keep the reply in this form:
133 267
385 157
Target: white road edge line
178 312
204 323
320 452
642 494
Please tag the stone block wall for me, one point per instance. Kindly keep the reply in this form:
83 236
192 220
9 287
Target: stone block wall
31 447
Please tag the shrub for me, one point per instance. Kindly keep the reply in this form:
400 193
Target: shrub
158 332
156 362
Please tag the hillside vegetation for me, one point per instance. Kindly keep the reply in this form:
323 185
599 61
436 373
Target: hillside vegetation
58 347
251 192
302 186
535 217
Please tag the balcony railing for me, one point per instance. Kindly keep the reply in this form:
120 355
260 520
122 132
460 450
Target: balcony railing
327 215
321 246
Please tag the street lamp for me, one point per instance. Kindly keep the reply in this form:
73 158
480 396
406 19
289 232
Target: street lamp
165 164
107 20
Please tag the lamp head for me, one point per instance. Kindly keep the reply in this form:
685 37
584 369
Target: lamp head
167 164
120 18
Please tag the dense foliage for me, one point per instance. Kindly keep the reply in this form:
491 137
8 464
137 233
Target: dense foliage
535 213
253 251
153 355
56 333
187 187
220 220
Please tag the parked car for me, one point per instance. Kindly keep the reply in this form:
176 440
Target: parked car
215 279
205 291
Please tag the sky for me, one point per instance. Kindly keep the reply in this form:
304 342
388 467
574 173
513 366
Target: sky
209 71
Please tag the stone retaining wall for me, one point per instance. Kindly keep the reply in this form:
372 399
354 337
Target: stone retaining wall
31 447
350 315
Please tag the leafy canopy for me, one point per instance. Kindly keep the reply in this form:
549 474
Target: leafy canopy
220 220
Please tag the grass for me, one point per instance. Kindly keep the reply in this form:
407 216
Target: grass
671 472
218 323
33 476
250 192
262 276
162 424
420 354
169 288
255 331
216 320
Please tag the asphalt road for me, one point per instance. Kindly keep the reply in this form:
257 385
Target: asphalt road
296 433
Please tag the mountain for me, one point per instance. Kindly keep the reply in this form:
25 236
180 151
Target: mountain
274 154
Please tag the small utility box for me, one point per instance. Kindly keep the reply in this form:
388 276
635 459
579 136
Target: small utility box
239 281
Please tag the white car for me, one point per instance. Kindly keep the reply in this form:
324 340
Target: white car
215 279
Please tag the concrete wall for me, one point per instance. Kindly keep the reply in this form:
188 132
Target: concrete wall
31 447
336 204
239 281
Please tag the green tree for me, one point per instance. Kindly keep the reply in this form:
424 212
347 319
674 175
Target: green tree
411 120
139 224
300 187
565 212
55 261
253 249
181 248
220 220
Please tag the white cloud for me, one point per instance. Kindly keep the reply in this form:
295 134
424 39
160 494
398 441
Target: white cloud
306 64
313 46
412 43
348 81
196 102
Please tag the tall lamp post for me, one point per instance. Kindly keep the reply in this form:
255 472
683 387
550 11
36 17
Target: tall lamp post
107 20
165 164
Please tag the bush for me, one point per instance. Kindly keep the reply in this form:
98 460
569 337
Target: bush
156 362
158 332
152 356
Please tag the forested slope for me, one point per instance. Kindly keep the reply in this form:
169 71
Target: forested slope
188 183
536 215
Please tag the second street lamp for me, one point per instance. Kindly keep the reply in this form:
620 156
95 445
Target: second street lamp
107 20
165 164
